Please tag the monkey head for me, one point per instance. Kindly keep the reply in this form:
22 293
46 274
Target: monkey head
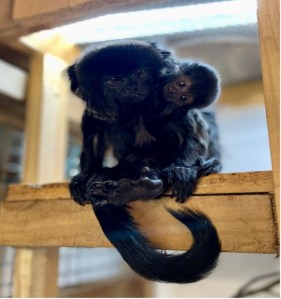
118 75
194 86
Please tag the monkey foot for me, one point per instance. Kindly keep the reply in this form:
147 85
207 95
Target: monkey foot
182 180
125 190
77 189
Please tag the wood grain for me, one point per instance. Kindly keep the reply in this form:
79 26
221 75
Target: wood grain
31 16
244 223
269 33
36 269
32 8
31 267
226 183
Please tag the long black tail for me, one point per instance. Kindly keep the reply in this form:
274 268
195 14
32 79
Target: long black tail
152 264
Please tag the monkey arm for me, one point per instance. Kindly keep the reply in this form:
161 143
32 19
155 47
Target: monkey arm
91 158
194 158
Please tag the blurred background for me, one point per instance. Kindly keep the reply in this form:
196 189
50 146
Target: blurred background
223 34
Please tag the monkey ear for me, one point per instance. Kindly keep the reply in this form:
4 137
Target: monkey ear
165 54
74 85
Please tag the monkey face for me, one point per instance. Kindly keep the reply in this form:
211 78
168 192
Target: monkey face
116 76
129 88
177 91
194 86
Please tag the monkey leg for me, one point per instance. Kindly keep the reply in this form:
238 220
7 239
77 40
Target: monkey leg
124 190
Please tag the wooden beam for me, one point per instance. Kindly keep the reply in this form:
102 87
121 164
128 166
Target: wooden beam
35 273
269 33
46 124
242 94
31 266
31 16
6 7
238 203
53 44
16 54
225 183
245 223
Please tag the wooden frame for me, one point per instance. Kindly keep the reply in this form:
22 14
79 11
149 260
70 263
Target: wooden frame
244 205
51 218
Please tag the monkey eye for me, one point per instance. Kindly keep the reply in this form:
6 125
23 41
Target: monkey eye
140 73
181 84
114 80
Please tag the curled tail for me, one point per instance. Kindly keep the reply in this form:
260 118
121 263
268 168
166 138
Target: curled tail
152 264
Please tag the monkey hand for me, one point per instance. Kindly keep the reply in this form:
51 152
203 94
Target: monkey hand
182 180
77 188
206 167
125 190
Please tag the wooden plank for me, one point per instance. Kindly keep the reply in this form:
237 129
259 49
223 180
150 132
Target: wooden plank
269 33
55 44
244 223
225 183
31 16
42 261
36 269
243 94
45 132
5 13
30 8
17 54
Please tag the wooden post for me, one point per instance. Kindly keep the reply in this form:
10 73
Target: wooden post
35 273
269 32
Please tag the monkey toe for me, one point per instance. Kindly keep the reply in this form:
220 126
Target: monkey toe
108 186
102 188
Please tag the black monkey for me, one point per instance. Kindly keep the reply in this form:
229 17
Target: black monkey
188 136
116 81
120 84
194 86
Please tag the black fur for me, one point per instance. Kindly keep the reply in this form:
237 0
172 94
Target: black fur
159 143
137 251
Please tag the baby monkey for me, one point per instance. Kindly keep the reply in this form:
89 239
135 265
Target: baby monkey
195 85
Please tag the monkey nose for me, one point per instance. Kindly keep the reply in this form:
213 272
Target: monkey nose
131 89
171 89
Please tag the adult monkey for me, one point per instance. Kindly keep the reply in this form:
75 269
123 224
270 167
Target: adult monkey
120 84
